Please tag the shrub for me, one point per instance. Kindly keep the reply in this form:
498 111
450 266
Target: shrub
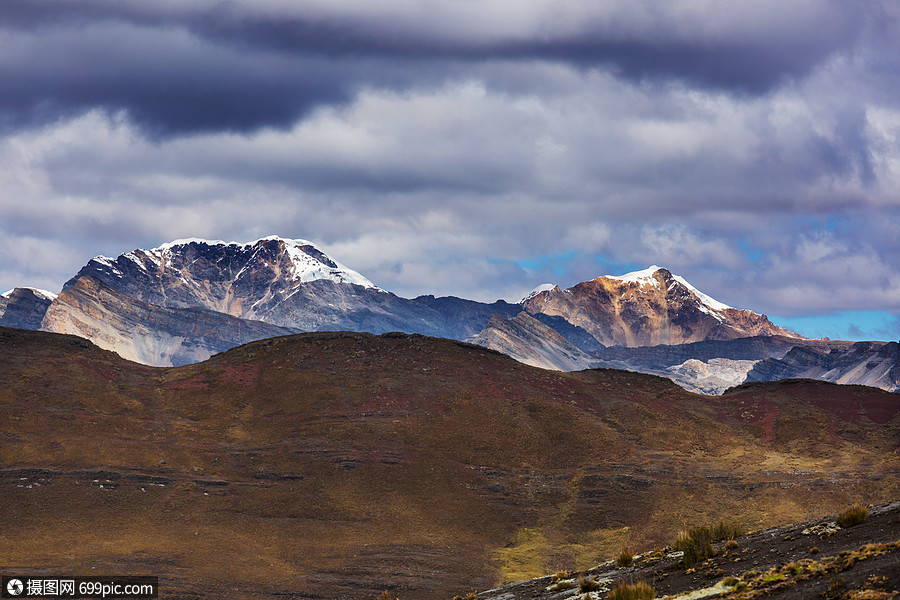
632 591
626 558
560 575
697 542
587 584
854 515
731 545
814 550
726 531
696 545
386 596
730 581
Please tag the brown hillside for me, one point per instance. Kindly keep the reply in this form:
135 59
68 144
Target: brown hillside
337 465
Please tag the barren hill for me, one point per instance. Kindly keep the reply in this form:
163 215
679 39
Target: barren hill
337 465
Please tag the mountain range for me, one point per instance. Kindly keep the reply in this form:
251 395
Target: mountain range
186 300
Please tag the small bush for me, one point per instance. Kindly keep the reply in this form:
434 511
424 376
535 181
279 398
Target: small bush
696 545
587 584
697 542
731 545
626 558
853 516
471 595
730 581
632 591
726 531
560 575
814 550
386 596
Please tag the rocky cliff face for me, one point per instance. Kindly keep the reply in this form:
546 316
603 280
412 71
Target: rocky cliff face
647 308
144 332
24 308
531 342
875 364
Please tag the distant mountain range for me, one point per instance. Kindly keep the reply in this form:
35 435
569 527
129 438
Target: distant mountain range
187 300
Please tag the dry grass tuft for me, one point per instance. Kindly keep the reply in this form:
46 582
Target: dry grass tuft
587 584
632 591
854 515
626 558
697 542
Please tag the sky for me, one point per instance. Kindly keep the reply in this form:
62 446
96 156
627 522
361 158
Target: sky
466 148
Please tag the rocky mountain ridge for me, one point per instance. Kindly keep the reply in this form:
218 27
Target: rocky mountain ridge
24 308
876 364
134 304
648 308
189 299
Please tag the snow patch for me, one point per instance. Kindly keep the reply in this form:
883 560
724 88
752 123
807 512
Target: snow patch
642 277
544 287
310 268
306 266
108 262
187 241
707 300
43 294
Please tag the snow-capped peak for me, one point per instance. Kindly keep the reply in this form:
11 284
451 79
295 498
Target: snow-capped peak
308 260
707 300
44 294
646 276
544 287
643 276
188 241
311 263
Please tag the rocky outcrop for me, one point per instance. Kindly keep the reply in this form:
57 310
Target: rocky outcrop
647 308
531 342
711 378
875 364
144 332
750 348
24 308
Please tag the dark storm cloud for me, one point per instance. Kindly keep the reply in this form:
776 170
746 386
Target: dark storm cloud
206 66
165 79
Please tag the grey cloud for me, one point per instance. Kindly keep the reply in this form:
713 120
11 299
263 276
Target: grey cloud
229 66
440 154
